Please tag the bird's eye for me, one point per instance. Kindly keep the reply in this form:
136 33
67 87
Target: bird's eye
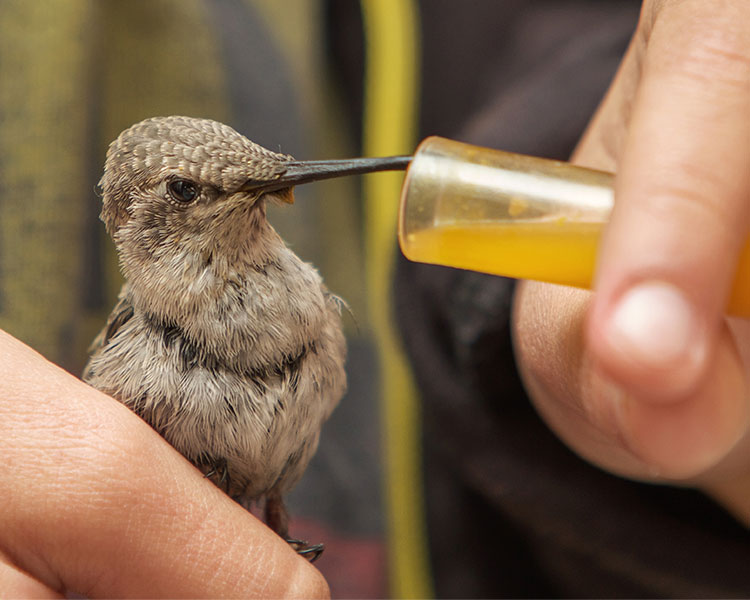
183 190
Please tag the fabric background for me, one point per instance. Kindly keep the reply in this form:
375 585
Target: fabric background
73 74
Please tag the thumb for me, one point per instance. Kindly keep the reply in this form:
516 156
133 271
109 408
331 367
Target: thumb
674 123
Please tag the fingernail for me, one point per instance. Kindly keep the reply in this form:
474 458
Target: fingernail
655 326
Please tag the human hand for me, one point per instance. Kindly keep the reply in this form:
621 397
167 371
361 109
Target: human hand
647 378
95 502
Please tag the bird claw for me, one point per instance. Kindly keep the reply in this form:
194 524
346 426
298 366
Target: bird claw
219 474
309 551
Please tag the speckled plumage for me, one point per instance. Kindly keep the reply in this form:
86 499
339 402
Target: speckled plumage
223 340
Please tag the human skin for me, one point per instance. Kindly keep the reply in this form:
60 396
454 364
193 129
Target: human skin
95 502
646 377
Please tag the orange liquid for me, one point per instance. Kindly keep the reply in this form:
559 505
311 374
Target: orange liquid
555 252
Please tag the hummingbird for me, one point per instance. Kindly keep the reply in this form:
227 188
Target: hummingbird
222 339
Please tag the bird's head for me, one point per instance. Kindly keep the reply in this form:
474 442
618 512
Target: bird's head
177 175
180 190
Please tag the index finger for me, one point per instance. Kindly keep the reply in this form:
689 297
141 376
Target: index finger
95 502
669 255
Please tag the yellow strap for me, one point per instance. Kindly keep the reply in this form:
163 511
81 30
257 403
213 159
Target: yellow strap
389 128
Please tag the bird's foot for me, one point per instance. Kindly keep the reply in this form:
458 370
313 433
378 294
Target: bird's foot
309 551
219 474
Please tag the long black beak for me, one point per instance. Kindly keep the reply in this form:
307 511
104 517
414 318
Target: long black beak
306 171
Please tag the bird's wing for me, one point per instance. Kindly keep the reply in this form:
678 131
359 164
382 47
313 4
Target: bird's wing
121 314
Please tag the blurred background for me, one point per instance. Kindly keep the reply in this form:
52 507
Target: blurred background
454 490
73 74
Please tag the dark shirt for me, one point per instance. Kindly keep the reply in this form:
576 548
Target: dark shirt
511 510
